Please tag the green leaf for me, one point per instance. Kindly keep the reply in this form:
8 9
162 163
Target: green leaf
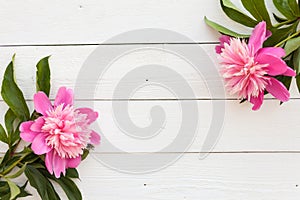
43 76
11 164
294 7
3 136
280 34
229 4
291 45
237 15
288 8
224 30
5 159
14 189
296 60
15 136
18 173
4 190
41 183
298 82
258 10
70 188
12 94
9 118
286 80
279 19
85 154
72 173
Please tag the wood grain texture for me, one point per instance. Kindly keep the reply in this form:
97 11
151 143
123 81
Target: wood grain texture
218 177
67 62
253 132
86 22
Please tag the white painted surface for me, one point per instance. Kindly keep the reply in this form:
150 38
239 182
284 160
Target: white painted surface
257 156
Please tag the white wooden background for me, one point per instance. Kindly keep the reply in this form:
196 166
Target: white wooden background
258 155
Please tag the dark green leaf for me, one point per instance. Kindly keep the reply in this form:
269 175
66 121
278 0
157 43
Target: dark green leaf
15 136
291 45
288 8
280 34
11 163
236 15
85 154
67 185
72 173
296 60
4 190
5 159
258 10
43 76
279 19
12 94
9 121
294 7
3 136
298 82
224 30
286 80
70 188
42 184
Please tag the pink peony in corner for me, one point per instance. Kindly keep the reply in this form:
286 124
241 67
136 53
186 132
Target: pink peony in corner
61 133
248 69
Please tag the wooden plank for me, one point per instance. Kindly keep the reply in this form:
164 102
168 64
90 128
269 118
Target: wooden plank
96 21
67 67
218 177
273 128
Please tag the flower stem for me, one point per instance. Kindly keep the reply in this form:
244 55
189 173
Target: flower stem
288 38
14 164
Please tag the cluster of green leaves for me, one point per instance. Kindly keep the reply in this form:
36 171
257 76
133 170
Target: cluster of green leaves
15 163
285 32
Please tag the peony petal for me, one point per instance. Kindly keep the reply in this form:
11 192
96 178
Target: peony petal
257 101
38 124
258 36
25 126
64 96
276 65
95 138
49 161
39 145
278 90
41 103
275 51
223 39
25 133
28 136
73 162
59 165
289 72
91 115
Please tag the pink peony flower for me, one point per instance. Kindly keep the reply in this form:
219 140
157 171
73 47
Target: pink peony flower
61 133
248 69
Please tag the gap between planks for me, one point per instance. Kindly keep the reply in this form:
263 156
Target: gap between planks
108 44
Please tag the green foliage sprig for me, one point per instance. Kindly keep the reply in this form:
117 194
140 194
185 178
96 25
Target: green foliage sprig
285 32
15 163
